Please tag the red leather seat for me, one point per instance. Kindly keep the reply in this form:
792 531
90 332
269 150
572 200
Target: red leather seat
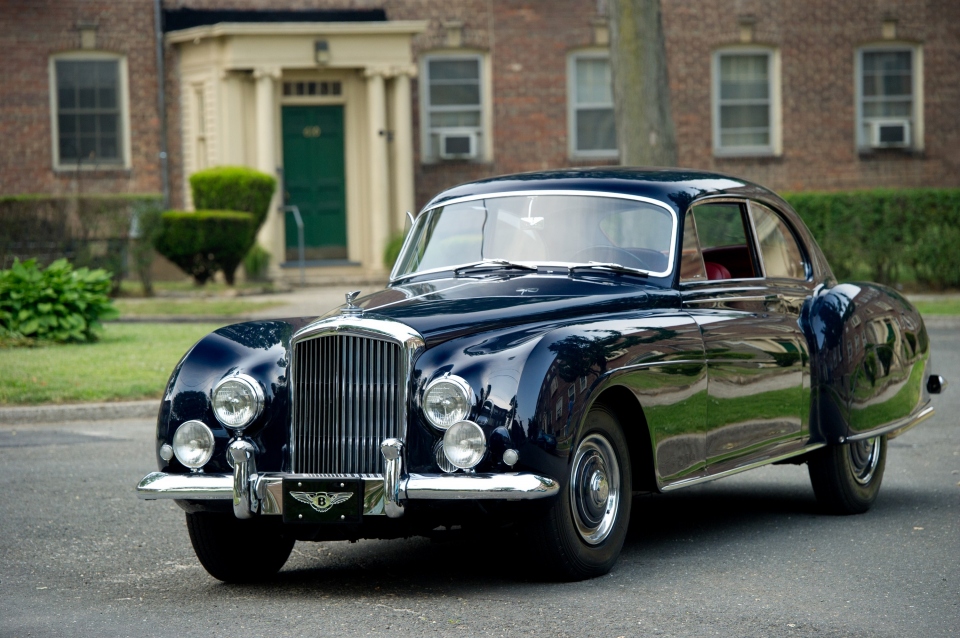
716 271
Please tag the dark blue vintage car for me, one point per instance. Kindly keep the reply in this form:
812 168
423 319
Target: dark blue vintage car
549 345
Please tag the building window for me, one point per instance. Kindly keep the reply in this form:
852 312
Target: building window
888 92
453 107
745 102
89 110
591 127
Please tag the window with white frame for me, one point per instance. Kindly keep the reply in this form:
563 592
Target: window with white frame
745 99
591 127
888 91
88 95
453 107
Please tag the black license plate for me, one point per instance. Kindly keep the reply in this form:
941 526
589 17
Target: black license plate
322 500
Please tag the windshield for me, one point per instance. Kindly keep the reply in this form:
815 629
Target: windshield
542 229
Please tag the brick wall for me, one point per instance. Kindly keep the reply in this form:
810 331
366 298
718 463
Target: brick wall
528 42
817 40
32 31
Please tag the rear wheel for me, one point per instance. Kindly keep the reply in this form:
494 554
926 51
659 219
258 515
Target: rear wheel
846 478
236 551
581 534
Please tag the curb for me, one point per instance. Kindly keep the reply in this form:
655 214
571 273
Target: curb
79 412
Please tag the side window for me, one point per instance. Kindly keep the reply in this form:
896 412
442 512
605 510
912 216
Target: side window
691 262
781 253
724 243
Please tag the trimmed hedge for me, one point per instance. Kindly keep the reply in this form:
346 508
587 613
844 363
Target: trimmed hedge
233 188
889 236
203 242
92 231
55 304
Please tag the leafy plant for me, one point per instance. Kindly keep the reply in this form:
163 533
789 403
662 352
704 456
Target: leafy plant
392 251
256 262
203 242
233 188
58 303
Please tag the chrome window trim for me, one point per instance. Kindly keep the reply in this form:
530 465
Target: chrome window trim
726 199
394 277
410 341
807 264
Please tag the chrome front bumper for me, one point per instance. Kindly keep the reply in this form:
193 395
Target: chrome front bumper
254 493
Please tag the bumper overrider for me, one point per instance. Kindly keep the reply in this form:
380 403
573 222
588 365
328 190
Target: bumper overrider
255 493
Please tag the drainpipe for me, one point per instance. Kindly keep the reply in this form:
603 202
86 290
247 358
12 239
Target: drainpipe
161 102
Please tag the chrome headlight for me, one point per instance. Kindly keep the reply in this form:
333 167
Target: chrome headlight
237 401
193 444
464 444
446 401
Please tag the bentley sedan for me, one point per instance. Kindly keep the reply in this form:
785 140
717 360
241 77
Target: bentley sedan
548 346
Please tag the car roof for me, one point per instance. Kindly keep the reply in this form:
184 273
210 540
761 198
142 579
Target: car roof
676 187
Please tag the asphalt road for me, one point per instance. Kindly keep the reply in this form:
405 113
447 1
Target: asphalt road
745 556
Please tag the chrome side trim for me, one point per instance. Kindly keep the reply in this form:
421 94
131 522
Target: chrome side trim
895 429
513 486
244 472
392 450
191 487
743 468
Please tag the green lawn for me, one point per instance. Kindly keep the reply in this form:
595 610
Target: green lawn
132 361
189 307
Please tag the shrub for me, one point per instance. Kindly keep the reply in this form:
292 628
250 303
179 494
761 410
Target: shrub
145 229
206 241
886 235
233 188
256 262
92 231
392 251
55 304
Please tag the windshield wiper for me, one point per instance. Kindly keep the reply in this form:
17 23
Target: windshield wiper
612 267
494 263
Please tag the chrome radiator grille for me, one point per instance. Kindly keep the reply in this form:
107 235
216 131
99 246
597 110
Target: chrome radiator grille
347 398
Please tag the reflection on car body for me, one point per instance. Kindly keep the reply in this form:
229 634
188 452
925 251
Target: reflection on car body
549 344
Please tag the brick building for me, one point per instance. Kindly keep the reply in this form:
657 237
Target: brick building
365 108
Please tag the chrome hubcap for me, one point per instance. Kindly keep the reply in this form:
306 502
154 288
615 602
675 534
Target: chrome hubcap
864 458
595 489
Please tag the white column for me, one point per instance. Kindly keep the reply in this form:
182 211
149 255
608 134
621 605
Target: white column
377 185
402 156
271 234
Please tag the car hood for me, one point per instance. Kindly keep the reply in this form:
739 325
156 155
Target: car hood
448 308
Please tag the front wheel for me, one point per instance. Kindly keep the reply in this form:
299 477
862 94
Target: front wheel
236 551
581 534
846 478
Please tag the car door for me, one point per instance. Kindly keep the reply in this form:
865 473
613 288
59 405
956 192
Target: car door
754 347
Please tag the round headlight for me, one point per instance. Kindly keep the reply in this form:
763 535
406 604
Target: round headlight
237 401
446 401
464 444
193 444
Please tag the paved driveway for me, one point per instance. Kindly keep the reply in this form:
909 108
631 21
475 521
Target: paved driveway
745 556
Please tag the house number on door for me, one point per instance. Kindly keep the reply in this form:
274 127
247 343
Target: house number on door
311 131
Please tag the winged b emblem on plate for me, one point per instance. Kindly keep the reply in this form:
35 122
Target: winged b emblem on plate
321 501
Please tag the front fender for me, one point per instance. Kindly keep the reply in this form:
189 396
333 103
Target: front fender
257 348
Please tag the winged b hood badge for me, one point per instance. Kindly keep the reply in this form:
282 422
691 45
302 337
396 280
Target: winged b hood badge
351 308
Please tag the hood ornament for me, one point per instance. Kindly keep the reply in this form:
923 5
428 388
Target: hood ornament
351 309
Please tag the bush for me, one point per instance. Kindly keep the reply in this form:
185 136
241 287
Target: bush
92 231
55 304
233 188
256 262
887 235
206 241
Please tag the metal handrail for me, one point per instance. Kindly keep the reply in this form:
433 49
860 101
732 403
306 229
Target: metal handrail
293 208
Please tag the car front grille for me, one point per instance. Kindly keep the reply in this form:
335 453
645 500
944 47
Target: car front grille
347 398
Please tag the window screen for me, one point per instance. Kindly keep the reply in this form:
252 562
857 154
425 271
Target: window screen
744 100
594 131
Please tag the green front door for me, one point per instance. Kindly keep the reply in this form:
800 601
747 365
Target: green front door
313 175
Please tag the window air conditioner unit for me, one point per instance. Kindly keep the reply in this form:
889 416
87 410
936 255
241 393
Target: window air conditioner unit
890 133
456 144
